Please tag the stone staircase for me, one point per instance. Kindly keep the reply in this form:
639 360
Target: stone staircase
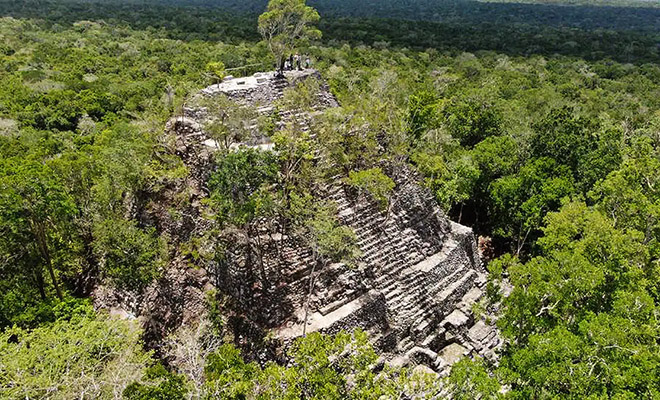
419 269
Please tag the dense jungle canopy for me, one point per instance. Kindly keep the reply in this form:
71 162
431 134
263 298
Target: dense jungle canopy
536 124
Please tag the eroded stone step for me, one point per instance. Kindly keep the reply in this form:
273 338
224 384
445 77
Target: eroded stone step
317 321
431 262
458 288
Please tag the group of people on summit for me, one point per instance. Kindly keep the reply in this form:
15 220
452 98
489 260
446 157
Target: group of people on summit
296 61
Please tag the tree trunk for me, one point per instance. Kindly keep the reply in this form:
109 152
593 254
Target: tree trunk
88 275
42 244
51 272
460 213
309 294
262 267
39 278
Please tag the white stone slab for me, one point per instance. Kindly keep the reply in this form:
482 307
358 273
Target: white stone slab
457 318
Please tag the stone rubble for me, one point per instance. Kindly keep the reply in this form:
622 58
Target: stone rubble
260 92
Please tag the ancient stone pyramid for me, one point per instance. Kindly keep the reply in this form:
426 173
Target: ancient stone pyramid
419 274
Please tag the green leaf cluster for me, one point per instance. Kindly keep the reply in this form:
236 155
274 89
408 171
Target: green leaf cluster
339 366
84 356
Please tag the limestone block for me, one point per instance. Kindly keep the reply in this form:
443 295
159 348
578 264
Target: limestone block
479 331
423 369
456 319
451 354
472 296
420 355
399 361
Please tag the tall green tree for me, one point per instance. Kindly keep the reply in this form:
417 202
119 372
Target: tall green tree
35 214
286 24
582 318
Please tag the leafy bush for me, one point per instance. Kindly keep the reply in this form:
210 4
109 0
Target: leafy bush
323 367
132 256
161 385
374 182
80 357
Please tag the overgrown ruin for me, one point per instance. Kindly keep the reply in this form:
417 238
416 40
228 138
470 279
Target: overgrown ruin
413 288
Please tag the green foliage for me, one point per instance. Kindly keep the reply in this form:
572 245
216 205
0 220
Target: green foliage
453 182
631 194
496 157
132 257
286 24
163 385
239 186
303 96
575 142
581 317
316 222
227 375
469 379
214 310
29 313
322 367
514 29
374 182
471 121
347 144
73 308
423 114
229 122
294 153
58 195
521 201
78 357
35 214
217 69
537 114
328 238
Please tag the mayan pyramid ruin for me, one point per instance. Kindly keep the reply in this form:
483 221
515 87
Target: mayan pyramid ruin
413 289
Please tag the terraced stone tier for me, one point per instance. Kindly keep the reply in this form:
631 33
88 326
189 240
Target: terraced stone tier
264 88
414 289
